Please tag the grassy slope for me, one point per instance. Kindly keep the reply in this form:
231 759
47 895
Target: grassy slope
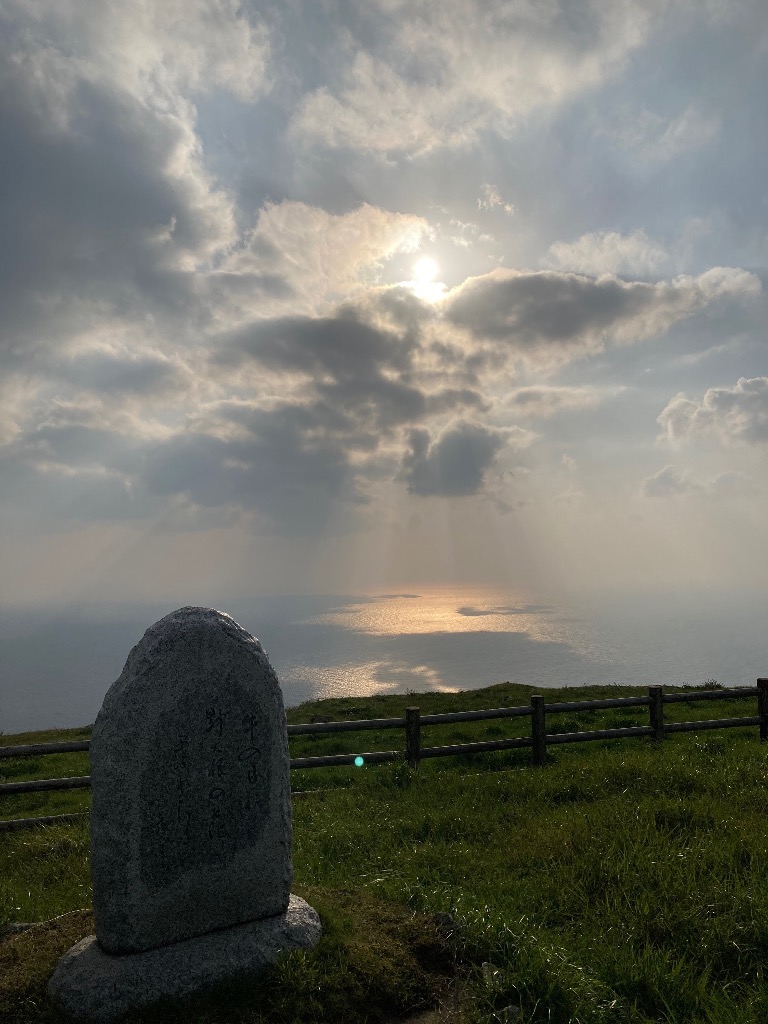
623 881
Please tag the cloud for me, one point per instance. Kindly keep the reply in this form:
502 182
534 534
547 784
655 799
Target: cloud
299 467
76 462
322 255
123 263
351 377
108 209
553 317
670 482
341 346
318 412
116 372
276 470
667 483
732 484
542 400
571 496
171 348
320 409
732 414
454 464
491 198
274 466
421 75
608 252
655 138
151 50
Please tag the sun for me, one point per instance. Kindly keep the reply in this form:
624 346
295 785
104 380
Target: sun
423 283
425 270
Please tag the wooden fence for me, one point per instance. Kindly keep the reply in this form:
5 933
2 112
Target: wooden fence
414 721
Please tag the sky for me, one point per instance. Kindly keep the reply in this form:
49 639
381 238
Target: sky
324 297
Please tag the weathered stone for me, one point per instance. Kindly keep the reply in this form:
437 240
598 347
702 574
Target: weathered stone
96 986
190 823
191 815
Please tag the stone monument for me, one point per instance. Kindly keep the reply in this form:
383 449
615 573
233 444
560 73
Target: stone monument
190 823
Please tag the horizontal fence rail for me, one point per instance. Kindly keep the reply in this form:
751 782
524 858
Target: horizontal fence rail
414 721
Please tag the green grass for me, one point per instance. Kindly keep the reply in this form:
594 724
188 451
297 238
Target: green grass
623 881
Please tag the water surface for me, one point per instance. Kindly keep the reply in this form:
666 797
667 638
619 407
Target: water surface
58 664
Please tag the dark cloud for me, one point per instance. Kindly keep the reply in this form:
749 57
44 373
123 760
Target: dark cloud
69 436
449 399
402 308
550 315
113 373
360 376
74 466
296 464
342 346
310 417
378 401
93 217
223 288
274 464
87 488
73 444
278 472
535 307
453 465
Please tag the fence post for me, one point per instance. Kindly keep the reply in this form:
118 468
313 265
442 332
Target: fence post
538 730
656 709
413 736
762 707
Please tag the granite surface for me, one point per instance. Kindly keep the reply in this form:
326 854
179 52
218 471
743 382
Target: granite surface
94 986
191 812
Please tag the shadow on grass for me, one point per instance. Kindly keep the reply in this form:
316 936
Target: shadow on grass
376 962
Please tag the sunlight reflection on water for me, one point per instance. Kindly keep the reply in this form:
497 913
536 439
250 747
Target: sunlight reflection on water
463 610
443 610
456 637
57 666
431 612
364 679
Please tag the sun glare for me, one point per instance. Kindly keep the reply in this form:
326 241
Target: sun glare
423 283
425 270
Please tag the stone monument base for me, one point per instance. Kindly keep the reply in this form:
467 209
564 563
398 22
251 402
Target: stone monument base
96 986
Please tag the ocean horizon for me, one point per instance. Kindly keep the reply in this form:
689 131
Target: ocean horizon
59 662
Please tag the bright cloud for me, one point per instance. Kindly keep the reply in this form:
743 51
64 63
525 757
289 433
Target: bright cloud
157 52
317 255
608 252
491 198
739 413
441 73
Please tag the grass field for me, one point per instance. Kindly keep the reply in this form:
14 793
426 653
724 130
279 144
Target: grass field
625 880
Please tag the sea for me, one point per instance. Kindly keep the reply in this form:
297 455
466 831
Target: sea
56 664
